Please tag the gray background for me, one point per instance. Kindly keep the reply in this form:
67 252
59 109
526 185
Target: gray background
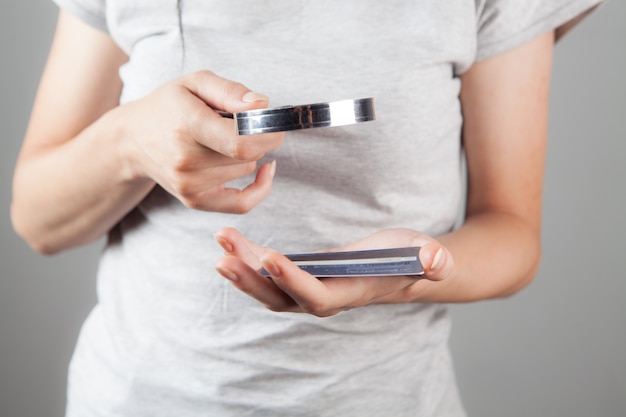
556 349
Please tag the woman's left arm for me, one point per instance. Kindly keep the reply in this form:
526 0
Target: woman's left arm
505 109
495 253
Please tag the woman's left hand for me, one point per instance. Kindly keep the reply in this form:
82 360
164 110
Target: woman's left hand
291 289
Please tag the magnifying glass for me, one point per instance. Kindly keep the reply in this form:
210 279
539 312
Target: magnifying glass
306 116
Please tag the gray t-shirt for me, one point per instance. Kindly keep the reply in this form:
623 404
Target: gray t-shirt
169 336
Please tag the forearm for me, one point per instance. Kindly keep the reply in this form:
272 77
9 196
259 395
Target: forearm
505 107
495 255
86 161
73 193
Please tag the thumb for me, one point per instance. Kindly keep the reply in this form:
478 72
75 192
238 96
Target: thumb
437 261
222 94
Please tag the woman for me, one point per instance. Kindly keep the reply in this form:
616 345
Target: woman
126 133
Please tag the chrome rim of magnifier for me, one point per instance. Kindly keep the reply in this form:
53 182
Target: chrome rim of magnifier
281 119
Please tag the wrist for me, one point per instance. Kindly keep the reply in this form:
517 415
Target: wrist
127 155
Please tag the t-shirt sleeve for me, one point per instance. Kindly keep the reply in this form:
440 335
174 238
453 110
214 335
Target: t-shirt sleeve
505 24
92 12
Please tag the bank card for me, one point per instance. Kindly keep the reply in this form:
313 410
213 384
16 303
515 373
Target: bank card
377 262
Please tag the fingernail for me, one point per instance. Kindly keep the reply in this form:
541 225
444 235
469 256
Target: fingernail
271 267
252 97
273 169
437 260
225 244
227 273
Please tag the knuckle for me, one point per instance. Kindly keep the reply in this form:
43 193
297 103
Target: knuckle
181 163
200 75
194 203
230 88
250 167
181 186
242 150
192 117
181 125
242 206
324 314
205 73
170 93
276 308
316 308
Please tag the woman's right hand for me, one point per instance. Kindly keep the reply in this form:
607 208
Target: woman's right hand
178 140
86 161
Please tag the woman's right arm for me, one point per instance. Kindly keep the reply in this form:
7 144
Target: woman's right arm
86 161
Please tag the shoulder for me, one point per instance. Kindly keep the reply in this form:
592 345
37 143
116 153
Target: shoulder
504 24
92 12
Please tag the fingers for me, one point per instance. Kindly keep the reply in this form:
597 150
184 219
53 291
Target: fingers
241 266
219 133
220 93
246 279
266 290
308 292
233 200
219 198
290 288
234 243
